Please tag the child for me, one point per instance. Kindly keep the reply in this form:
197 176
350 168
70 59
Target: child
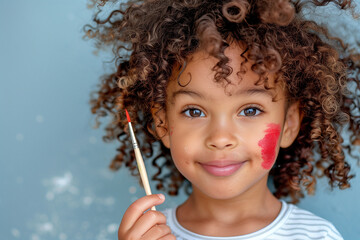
224 94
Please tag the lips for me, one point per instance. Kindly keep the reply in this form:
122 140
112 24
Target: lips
221 168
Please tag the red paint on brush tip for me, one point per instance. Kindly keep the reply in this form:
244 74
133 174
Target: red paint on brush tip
268 145
127 116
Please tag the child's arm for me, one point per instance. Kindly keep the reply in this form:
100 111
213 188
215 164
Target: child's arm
136 224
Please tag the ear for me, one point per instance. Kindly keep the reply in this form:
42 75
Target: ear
291 125
161 125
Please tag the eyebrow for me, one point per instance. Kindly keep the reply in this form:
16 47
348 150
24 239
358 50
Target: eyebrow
248 92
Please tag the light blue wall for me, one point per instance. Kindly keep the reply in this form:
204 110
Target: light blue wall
54 180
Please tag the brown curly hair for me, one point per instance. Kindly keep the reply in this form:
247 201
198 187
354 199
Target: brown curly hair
322 73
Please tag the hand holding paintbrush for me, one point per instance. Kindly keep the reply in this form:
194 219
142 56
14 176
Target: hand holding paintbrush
137 222
139 159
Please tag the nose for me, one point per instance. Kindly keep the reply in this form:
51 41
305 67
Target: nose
221 135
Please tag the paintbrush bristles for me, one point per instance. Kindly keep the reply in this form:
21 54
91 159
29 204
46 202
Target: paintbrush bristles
127 116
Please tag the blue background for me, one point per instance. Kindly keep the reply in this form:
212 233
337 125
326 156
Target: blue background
54 177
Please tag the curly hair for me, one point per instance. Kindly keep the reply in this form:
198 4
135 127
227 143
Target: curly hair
149 38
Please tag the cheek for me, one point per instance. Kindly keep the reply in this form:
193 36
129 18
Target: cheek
268 145
171 131
181 156
182 146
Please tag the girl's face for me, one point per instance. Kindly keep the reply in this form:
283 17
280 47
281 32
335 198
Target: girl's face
224 140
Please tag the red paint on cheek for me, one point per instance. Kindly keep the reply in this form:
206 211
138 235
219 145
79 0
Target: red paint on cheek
171 131
268 145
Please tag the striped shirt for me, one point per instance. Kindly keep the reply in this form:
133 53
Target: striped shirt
292 223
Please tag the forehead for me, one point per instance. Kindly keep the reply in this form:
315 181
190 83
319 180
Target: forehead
198 74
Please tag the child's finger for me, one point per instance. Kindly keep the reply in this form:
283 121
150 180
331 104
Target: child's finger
137 208
157 231
168 237
146 222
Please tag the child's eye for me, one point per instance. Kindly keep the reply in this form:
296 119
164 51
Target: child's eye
250 112
193 113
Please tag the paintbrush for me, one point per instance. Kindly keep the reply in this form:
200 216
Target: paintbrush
139 159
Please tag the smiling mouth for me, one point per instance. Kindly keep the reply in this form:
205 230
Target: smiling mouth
221 169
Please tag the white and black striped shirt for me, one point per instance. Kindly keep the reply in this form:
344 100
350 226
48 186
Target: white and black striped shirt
292 223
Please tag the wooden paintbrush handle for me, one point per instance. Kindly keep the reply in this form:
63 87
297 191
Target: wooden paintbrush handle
142 171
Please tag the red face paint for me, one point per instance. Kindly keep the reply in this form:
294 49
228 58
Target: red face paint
171 131
268 145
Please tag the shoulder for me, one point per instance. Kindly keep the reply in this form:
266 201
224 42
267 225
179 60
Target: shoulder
176 229
292 223
306 225
167 212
